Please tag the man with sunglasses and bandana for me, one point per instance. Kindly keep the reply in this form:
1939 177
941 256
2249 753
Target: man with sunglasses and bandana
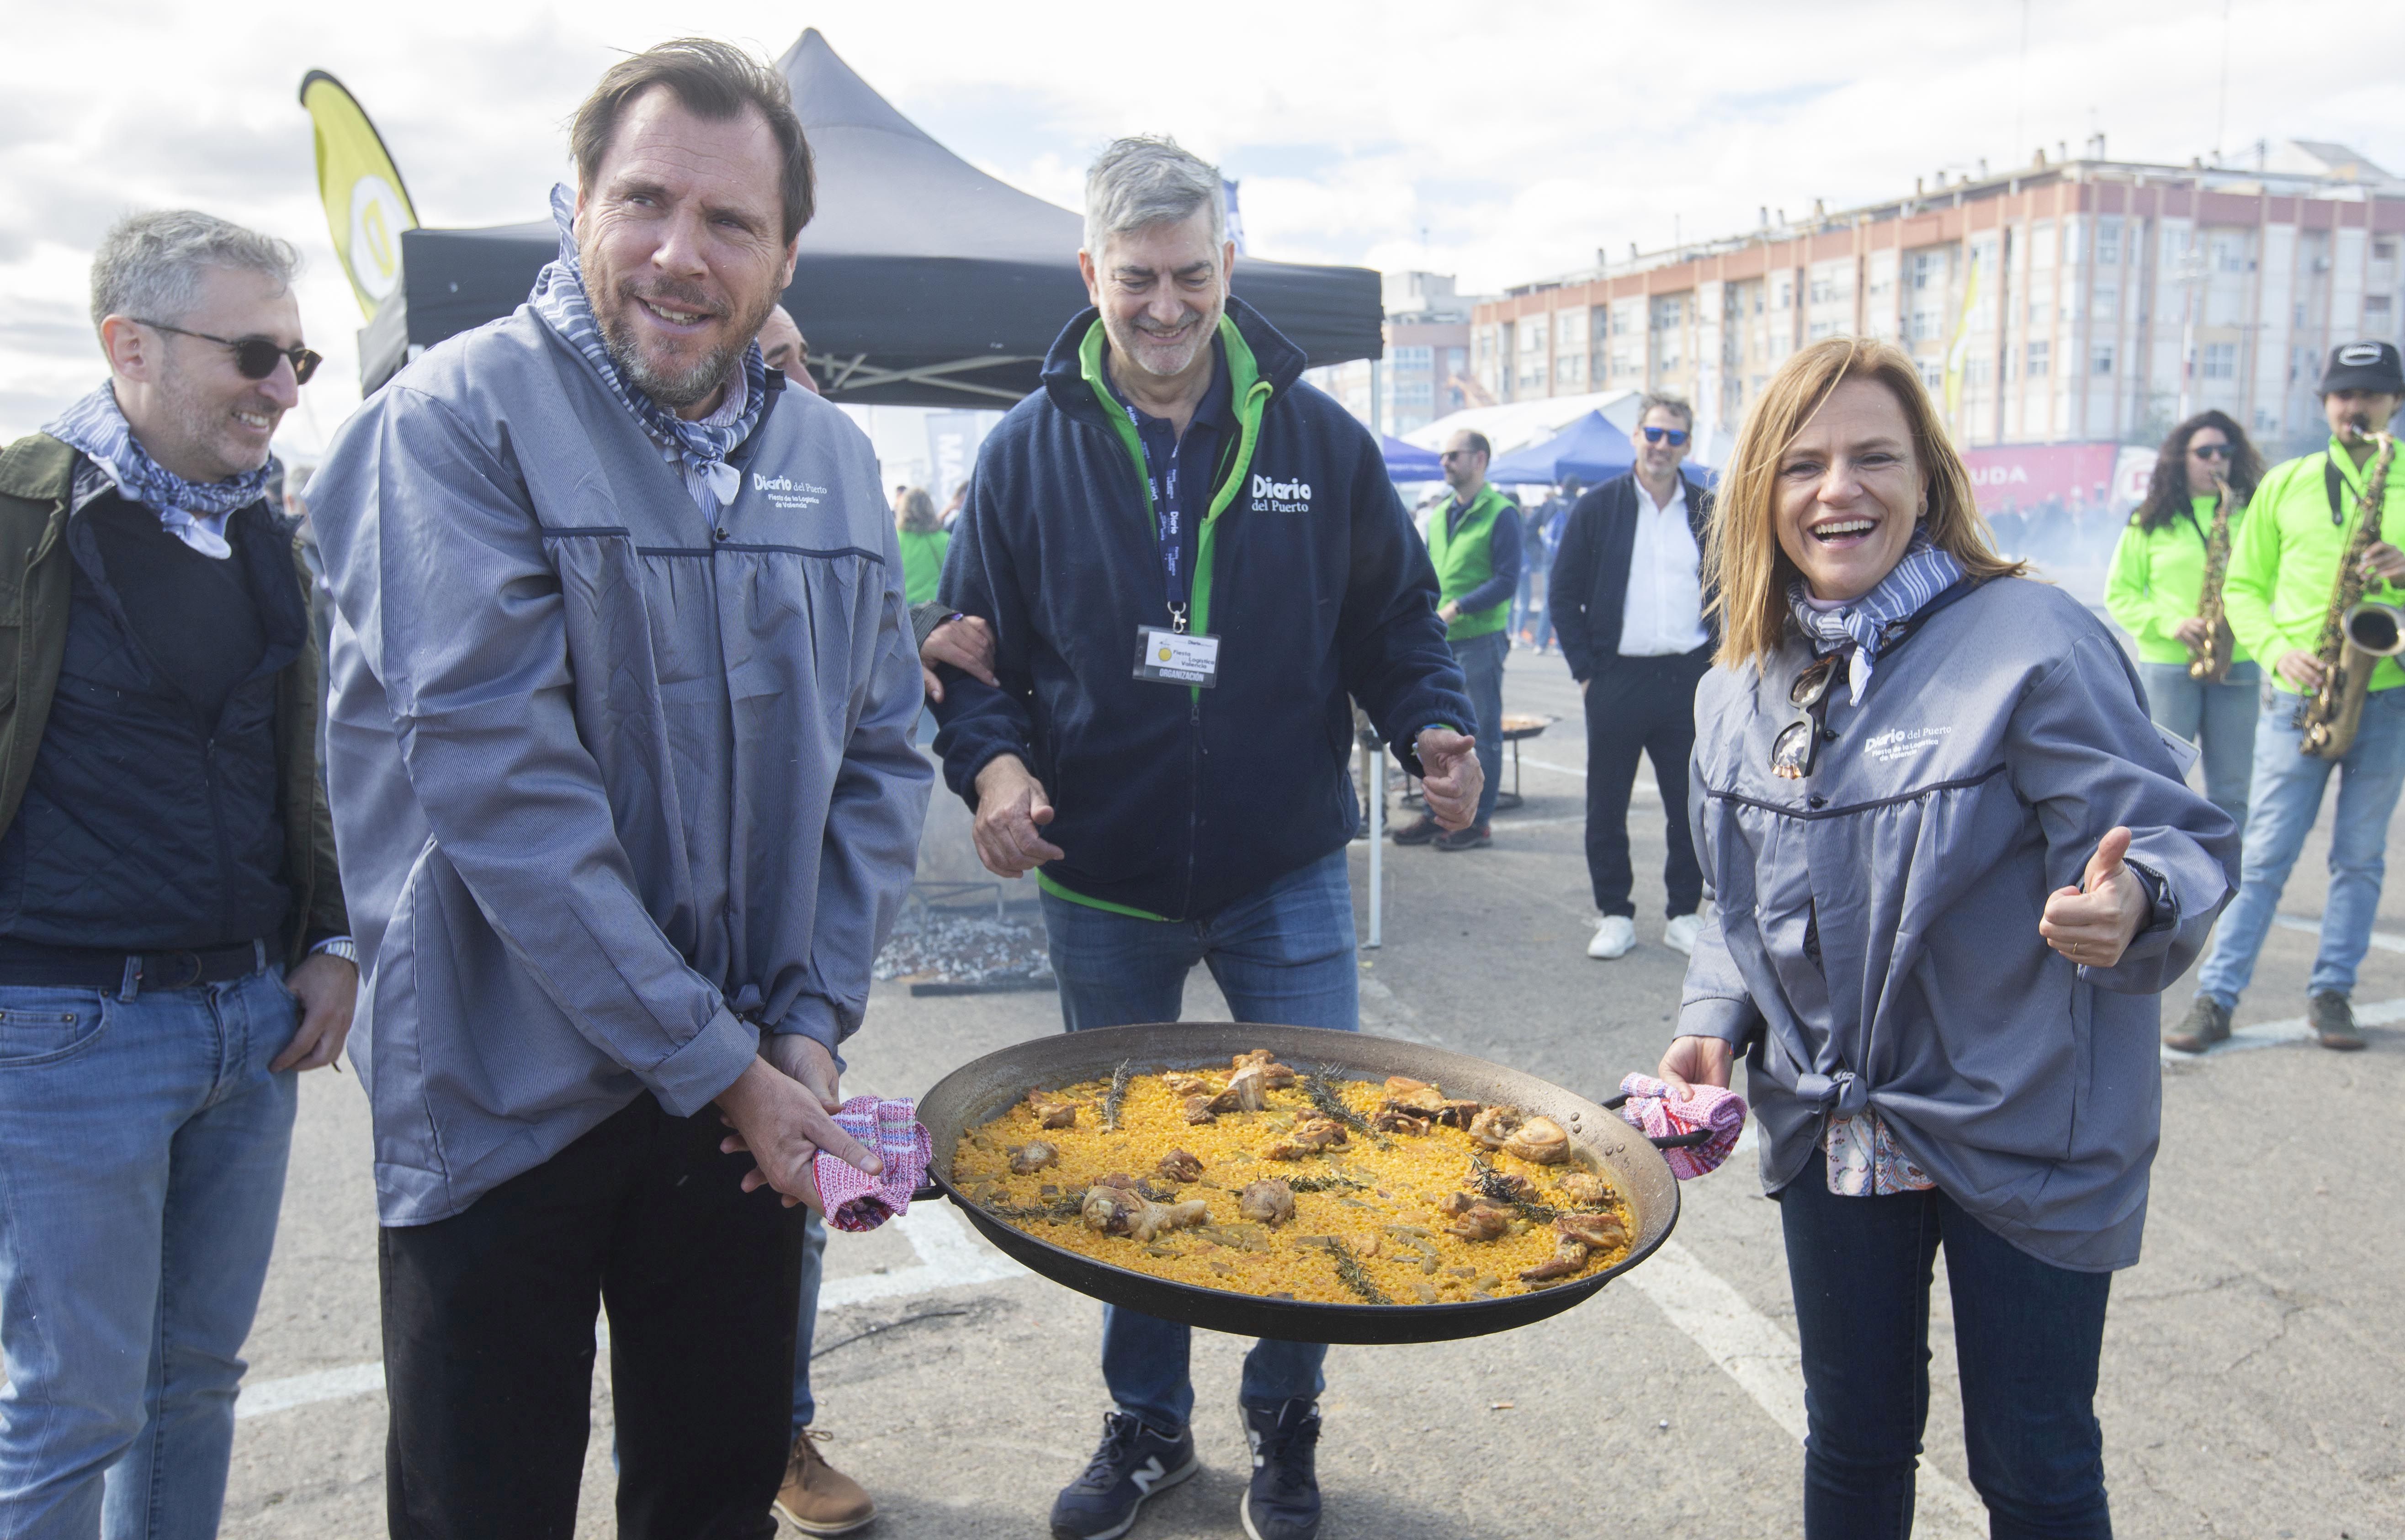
173 946
1626 595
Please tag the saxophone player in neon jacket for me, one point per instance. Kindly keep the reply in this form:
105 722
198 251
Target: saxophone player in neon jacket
2283 568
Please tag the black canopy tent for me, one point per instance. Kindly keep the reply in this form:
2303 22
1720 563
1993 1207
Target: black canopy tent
922 280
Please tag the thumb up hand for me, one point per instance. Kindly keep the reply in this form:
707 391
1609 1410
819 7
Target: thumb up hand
2094 923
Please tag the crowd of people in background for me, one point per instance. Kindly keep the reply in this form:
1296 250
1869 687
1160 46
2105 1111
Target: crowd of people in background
625 811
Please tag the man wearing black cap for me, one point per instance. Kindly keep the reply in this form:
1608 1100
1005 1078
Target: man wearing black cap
2283 570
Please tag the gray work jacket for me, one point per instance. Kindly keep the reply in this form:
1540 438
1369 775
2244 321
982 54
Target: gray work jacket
1878 920
614 787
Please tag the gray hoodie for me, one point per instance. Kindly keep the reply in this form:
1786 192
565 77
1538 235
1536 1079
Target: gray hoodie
617 785
1879 919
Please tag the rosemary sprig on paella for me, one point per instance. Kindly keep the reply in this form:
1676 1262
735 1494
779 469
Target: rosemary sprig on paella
1312 1187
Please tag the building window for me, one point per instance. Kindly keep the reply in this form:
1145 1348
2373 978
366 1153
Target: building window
2104 360
2375 304
1819 329
1532 334
2228 254
1924 325
1414 356
2264 421
1569 368
2040 358
2108 241
2221 360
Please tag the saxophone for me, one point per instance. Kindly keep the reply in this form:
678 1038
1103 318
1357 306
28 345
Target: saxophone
2213 659
2355 636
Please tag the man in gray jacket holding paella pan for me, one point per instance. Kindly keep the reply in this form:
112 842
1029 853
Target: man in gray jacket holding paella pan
620 764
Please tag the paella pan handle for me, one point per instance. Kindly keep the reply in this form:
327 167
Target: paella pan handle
928 1194
1669 1141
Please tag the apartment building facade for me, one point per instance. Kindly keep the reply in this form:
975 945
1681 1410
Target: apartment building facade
2079 302
1425 374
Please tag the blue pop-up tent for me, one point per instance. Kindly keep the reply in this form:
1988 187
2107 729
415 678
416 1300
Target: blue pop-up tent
1590 448
1407 462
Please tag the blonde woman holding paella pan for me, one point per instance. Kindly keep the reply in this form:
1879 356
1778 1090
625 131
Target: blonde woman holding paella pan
1955 865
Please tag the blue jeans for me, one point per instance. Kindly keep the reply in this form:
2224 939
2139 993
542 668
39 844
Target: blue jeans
1284 955
806 1408
2285 798
1481 669
142 1151
2219 718
2026 1337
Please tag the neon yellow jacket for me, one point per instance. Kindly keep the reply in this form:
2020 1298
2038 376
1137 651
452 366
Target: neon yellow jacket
2284 561
2156 579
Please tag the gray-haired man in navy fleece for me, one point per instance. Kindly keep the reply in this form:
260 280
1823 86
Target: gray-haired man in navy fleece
1190 559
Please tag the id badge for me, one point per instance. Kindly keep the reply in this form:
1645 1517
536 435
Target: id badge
1176 657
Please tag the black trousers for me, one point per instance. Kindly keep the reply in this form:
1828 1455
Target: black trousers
1642 706
489 1321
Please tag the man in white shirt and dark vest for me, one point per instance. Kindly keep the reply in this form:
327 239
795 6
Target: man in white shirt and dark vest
1474 544
1627 597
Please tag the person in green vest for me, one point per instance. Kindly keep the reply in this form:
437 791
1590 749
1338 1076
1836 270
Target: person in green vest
2156 587
1474 543
2283 571
924 543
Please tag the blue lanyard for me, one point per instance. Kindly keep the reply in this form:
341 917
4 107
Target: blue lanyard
1170 519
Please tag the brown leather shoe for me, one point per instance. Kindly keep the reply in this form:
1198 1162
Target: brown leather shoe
817 1498
2333 1021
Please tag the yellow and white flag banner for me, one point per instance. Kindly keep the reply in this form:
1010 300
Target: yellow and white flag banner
1958 352
367 207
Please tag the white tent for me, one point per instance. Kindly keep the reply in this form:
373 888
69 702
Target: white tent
1515 423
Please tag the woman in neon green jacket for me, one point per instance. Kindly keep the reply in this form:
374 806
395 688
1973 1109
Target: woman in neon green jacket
924 543
2157 585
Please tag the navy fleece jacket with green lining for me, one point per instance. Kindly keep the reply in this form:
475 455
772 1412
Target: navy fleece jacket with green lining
1173 801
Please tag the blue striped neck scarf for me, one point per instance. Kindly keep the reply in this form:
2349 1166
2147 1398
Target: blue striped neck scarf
1864 627
702 446
195 513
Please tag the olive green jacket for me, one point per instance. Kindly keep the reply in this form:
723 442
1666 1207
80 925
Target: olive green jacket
36 583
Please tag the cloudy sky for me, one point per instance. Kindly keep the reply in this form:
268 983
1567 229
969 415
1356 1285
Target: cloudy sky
1503 141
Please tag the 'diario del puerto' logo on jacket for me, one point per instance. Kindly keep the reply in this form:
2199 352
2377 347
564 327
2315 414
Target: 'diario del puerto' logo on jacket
1276 497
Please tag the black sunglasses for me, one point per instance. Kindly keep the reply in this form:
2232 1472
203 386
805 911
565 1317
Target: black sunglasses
256 357
2210 452
1799 745
1676 436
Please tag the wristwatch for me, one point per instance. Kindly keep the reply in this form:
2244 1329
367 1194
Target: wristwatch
338 946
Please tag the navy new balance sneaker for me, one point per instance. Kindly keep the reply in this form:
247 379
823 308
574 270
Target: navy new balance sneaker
1131 1464
1282 1501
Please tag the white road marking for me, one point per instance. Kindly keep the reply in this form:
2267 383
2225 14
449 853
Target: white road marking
2312 925
302 1389
2271 1034
1751 1350
950 1257
1642 790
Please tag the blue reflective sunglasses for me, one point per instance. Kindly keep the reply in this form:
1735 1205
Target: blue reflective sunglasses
1676 436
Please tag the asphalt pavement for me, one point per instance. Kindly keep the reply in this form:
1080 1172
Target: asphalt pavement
2249 1379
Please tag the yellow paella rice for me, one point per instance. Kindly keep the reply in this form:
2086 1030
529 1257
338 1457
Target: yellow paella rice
1395 1214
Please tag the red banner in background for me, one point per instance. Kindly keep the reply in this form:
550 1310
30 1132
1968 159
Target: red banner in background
2016 478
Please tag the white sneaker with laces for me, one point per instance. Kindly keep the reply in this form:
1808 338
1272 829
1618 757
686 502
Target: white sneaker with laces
1614 934
1680 934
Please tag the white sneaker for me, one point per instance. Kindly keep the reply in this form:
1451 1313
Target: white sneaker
1614 934
1680 934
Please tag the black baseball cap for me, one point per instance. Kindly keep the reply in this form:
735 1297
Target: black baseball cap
2364 366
